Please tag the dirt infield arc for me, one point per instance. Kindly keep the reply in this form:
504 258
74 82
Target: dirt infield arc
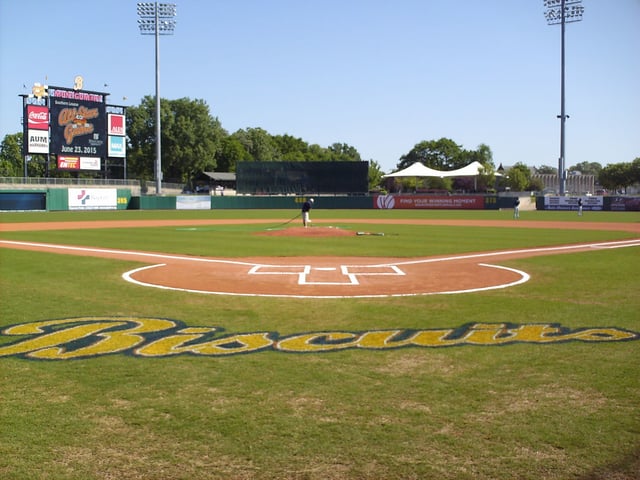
327 277
322 277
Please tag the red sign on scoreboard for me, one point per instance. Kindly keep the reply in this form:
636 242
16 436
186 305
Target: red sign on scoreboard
116 124
37 117
68 163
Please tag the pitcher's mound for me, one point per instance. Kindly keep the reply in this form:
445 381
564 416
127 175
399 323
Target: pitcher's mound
308 232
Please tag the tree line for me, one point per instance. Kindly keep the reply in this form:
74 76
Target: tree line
193 141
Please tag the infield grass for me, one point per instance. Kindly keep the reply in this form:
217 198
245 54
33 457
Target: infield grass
527 411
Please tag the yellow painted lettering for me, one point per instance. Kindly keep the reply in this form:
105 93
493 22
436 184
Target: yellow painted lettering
317 342
110 341
380 339
82 337
488 334
434 338
599 335
183 343
54 341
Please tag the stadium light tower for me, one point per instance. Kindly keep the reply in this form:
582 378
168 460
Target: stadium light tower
157 19
562 12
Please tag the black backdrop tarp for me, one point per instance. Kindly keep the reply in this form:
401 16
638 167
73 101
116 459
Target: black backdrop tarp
269 178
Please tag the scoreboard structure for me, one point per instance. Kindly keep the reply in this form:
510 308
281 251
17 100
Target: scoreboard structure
76 127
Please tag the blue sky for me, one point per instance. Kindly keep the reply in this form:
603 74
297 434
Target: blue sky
380 76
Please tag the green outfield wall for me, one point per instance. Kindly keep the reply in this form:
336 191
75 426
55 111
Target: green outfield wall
91 198
609 203
23 200
63 199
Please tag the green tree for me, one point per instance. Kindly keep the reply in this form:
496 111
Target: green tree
141 139
190 139
231 152
587 168
620 175
341 152
535 185
443 154
258 144
546 170
317 153
375 175
635 171
518 177
486 179
482 154
11 159
290 149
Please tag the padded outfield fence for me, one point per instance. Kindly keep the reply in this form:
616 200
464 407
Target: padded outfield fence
43 197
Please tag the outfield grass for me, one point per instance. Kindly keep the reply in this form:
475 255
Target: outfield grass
521 410
319 214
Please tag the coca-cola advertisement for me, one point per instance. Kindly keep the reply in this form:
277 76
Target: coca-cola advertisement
37 117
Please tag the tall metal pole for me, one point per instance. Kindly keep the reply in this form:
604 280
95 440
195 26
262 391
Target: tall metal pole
157 19
158 169
562 12
562 177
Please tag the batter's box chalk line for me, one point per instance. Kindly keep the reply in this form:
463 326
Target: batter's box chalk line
344 275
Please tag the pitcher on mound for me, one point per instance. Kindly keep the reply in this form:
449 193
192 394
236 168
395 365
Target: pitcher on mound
306 207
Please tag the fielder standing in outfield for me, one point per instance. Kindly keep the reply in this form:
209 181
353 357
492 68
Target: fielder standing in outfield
516 208
306 208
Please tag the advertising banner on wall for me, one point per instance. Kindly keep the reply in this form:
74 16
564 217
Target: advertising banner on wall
89 163
68 163
35 127
37 117
78 122
116 124
93 198
571 203
37 141
625 204
117 147
459 202
201 202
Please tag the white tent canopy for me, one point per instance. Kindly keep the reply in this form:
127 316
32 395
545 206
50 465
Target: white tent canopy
417 169
472 170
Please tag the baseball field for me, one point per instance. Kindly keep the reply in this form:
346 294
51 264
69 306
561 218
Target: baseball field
234 344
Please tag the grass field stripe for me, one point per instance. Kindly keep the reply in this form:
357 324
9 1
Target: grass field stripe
606 245
123 252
